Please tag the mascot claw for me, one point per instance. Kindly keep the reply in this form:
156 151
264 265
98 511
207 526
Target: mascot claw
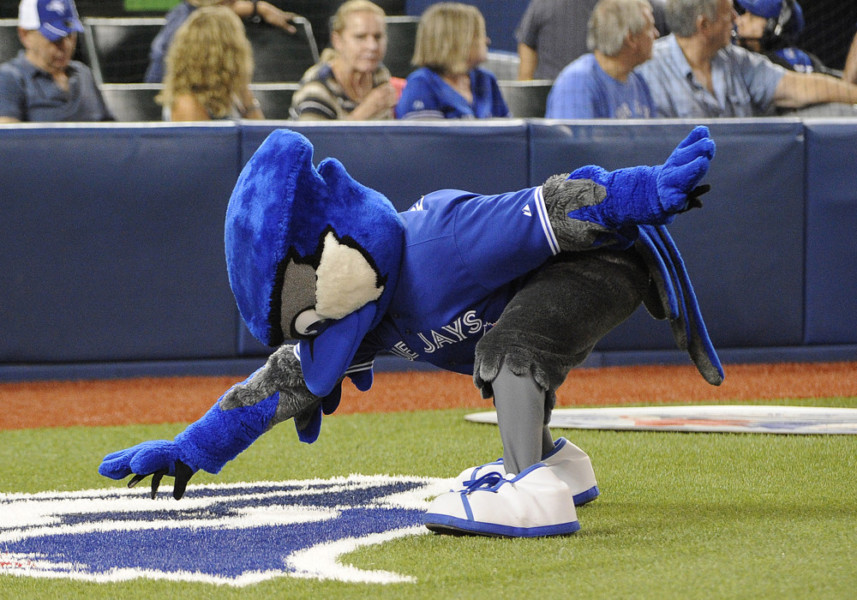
183 473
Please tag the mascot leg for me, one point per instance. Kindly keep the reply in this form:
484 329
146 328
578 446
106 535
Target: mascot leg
551 325
520 404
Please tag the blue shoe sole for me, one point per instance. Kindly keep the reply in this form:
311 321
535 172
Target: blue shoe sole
587 496
446 524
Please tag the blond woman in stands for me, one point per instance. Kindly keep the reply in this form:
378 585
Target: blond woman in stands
254 10
350 80
449 83
209 70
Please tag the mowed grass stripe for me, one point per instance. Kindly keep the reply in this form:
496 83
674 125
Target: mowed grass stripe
680 516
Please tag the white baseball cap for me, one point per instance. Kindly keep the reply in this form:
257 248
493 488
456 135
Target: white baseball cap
54 19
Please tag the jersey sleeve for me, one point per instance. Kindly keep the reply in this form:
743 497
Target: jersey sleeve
495 238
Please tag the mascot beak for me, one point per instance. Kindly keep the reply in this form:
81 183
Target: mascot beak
325 358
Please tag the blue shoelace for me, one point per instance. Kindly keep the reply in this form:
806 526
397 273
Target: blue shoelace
490 482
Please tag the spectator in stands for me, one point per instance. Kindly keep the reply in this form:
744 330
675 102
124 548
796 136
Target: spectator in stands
350 80
209 69
551 34
772 28
603 84
257 10
850 72
448 83
697 72
43 83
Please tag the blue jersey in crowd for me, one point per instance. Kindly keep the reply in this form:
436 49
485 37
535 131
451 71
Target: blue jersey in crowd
428 96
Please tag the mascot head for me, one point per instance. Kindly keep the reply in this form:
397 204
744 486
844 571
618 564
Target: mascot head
312 255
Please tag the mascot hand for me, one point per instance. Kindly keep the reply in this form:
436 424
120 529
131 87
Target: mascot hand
208 444
156 458
678 178
649 195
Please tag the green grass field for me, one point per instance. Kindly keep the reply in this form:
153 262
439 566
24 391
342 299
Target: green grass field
680 515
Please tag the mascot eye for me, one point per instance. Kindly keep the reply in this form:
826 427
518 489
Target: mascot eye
308 323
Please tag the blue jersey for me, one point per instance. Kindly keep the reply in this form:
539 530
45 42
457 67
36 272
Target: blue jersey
466 256
428 96
795 59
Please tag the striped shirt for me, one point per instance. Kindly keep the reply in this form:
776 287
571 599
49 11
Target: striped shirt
322 98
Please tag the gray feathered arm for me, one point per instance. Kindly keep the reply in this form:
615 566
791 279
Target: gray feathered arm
564 196
272 394
281 373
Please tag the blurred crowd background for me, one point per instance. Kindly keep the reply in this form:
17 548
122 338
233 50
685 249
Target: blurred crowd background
830 24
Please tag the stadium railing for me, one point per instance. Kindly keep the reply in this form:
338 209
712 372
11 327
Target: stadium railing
280 56
275 98
133 102
118 48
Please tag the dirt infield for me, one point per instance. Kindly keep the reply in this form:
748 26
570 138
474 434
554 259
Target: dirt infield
183 399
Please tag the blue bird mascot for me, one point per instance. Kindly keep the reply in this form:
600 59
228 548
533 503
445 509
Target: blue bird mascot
514 288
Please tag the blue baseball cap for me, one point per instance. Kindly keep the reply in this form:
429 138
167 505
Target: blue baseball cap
771 9
54 19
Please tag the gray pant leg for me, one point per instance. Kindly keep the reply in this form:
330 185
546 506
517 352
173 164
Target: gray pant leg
520 404
551 325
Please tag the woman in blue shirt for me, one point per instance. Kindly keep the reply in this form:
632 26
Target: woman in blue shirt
448 84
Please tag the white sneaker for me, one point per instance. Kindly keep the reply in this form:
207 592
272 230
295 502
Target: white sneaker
531 504
567 461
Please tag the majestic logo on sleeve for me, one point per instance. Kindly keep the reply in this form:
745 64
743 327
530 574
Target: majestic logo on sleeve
236 534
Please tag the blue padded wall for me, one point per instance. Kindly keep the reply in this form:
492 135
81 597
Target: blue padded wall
743 249
831 261
111 236
112 243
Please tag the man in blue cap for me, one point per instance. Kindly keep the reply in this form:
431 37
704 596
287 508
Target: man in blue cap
43 83
772 27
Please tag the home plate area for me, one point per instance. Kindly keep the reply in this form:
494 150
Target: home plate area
740 418
235 534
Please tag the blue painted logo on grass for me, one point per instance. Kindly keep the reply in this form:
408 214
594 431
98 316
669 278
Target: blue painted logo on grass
236 534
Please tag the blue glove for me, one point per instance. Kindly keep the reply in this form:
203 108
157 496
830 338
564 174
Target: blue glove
650 195
208 444
679 176
156 458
